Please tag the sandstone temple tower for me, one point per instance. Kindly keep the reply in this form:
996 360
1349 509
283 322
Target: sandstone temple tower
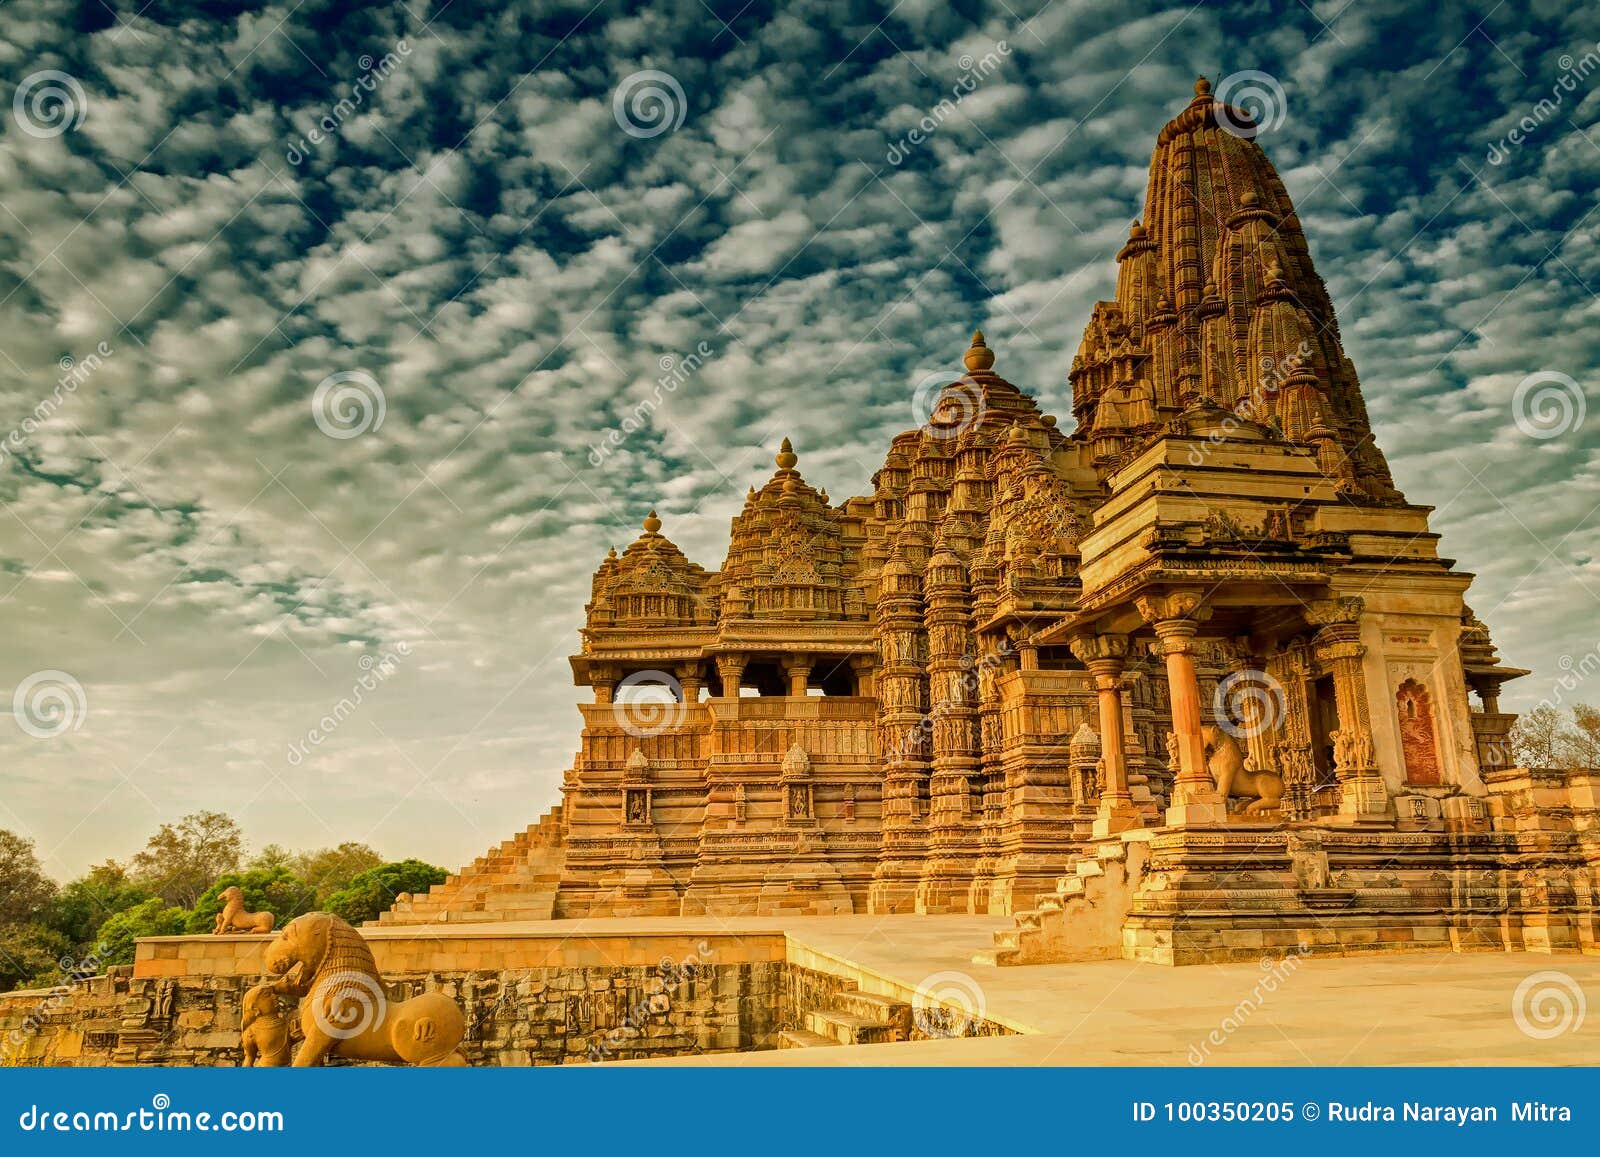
1184 680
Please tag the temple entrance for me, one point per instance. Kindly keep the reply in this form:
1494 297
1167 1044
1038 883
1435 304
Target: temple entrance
1323 722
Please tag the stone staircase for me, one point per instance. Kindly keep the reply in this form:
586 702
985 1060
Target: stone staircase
1082 919
515 881
852 1018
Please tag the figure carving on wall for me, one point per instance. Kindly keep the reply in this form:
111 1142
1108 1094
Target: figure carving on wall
166 999
1173 761
636 810
234 918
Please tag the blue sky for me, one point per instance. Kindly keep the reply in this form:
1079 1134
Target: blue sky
535 212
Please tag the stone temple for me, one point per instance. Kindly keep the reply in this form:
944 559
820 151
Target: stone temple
1187 679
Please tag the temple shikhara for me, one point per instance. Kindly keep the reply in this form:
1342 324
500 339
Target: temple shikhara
1177 679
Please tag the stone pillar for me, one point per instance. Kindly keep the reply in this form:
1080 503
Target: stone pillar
730 668
1176 618
862 666
1363 797
798 669
604 681
1105 656
689 680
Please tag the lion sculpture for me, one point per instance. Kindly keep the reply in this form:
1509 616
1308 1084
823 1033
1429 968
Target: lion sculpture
343 1011
233 917
1226 762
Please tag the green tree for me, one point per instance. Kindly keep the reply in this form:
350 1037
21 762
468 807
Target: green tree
25 891
31 955
374 890
276 890
182 860
86 903
151 918
331 870
1536 737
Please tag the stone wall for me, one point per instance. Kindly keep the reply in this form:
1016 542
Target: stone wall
533 1016
529 1000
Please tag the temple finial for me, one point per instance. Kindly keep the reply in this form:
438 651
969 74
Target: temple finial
652 524
786 456
1202 87
979 356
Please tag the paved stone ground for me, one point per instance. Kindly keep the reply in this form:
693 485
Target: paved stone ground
1415 1008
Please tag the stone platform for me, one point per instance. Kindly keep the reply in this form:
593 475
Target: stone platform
851 990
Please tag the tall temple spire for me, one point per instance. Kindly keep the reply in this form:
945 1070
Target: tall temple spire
1218 307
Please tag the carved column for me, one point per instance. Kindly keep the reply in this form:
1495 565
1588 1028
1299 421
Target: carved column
1362 794
730 668
798 670
1105 656
1176 617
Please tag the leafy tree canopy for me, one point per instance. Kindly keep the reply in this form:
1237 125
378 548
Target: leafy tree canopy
374 890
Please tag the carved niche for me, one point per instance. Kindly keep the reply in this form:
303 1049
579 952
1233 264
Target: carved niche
1418 743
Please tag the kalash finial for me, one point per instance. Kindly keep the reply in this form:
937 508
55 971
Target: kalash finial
979 357
1202 87
786 456
652 524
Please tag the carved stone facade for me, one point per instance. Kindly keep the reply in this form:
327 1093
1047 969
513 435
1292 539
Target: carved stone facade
1205 613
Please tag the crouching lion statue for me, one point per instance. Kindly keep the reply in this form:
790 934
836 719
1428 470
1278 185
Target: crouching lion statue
233 917
1225 760
343 1011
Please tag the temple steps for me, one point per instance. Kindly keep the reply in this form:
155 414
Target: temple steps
799 1038
1082 918
851 1017
517 880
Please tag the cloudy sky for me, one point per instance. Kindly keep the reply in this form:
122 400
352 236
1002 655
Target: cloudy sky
230 233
